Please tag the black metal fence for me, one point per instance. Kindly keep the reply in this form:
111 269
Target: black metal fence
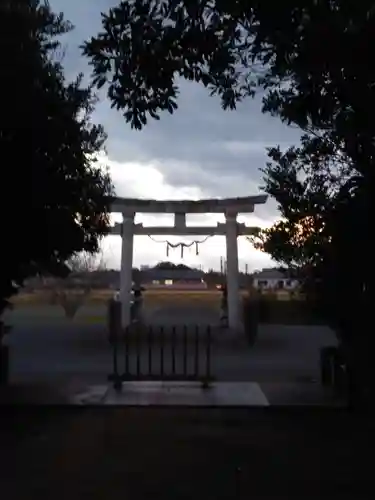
158 353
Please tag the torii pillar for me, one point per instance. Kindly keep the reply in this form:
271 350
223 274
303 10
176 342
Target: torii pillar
233 285
126 278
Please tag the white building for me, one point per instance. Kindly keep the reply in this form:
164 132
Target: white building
274 279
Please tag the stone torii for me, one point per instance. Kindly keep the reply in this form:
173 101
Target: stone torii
231 229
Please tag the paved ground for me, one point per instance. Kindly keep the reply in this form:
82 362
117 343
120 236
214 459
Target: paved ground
47 347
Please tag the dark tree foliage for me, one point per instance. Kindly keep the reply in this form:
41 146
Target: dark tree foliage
314 61
325 236
300 51
54 199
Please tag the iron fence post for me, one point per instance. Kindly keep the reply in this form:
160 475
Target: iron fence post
161 352
185 351
138 348
150 338
207 378
114 320
126 352
173 348
196 360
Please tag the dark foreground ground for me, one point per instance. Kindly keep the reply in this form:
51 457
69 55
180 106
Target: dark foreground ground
184 454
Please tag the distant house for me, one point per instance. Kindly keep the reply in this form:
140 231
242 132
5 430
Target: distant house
274 279
168 275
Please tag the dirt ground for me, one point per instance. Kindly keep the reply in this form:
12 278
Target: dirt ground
183 454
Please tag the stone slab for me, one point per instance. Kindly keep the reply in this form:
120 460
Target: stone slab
220 394
95 394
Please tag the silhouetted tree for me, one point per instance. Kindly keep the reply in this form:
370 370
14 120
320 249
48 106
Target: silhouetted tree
74 290
48 143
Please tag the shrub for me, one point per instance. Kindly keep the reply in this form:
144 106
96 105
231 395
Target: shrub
269 310
71 301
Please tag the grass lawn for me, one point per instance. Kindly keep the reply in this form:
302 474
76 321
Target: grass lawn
184 454
102 296
275 311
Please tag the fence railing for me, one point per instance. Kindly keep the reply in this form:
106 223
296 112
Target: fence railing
159 353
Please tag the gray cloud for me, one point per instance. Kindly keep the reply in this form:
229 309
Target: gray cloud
201 138
219 152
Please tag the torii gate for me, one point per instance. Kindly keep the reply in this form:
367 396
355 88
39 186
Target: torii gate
231 229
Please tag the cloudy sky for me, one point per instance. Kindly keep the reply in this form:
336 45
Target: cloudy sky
199 152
